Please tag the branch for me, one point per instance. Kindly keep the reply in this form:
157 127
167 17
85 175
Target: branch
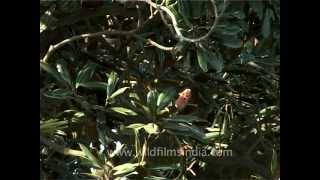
175 24
165 48
53 48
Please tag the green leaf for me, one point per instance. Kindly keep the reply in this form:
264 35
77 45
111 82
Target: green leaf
161 56
52 71
152 97
184 8
124 168
231 41
228 29
94 85
62 68
184 12
59 94
169 2
52 125
212 136
164 167
246 57
155 178
90 156
215 61
266 26
185 119
112 82
123 111
197 9
274 162
85 74
152 128
182 19
186 130
118 92
165 98
202 59
136 126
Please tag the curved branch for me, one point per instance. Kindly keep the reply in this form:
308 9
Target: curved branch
165 48
53 48
175 24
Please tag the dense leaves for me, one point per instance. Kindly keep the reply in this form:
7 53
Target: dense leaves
111 72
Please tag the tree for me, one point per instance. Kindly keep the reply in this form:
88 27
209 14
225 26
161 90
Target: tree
198 78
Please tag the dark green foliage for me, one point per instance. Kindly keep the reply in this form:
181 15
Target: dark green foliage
113 92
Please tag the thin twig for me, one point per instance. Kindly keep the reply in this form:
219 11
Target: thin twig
53 48
165 48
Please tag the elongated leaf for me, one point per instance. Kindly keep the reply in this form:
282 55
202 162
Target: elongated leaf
231 41
186 130
90 156
124 168
59 94
167 167
185 119
85 74
202 59
215 61
155 177
52 125
228 29
119 92
62 68
211 136
136 126
94 85
52 71
161 56
124 111
274 162
184 8
152 128
266 26
165 98
169 2
112 82
152 97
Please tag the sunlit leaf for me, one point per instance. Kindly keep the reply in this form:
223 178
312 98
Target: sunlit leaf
123 111
94 85
152 128
95 162
118 92
52 71
124 168
59 94
85 74
112 82
62 68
